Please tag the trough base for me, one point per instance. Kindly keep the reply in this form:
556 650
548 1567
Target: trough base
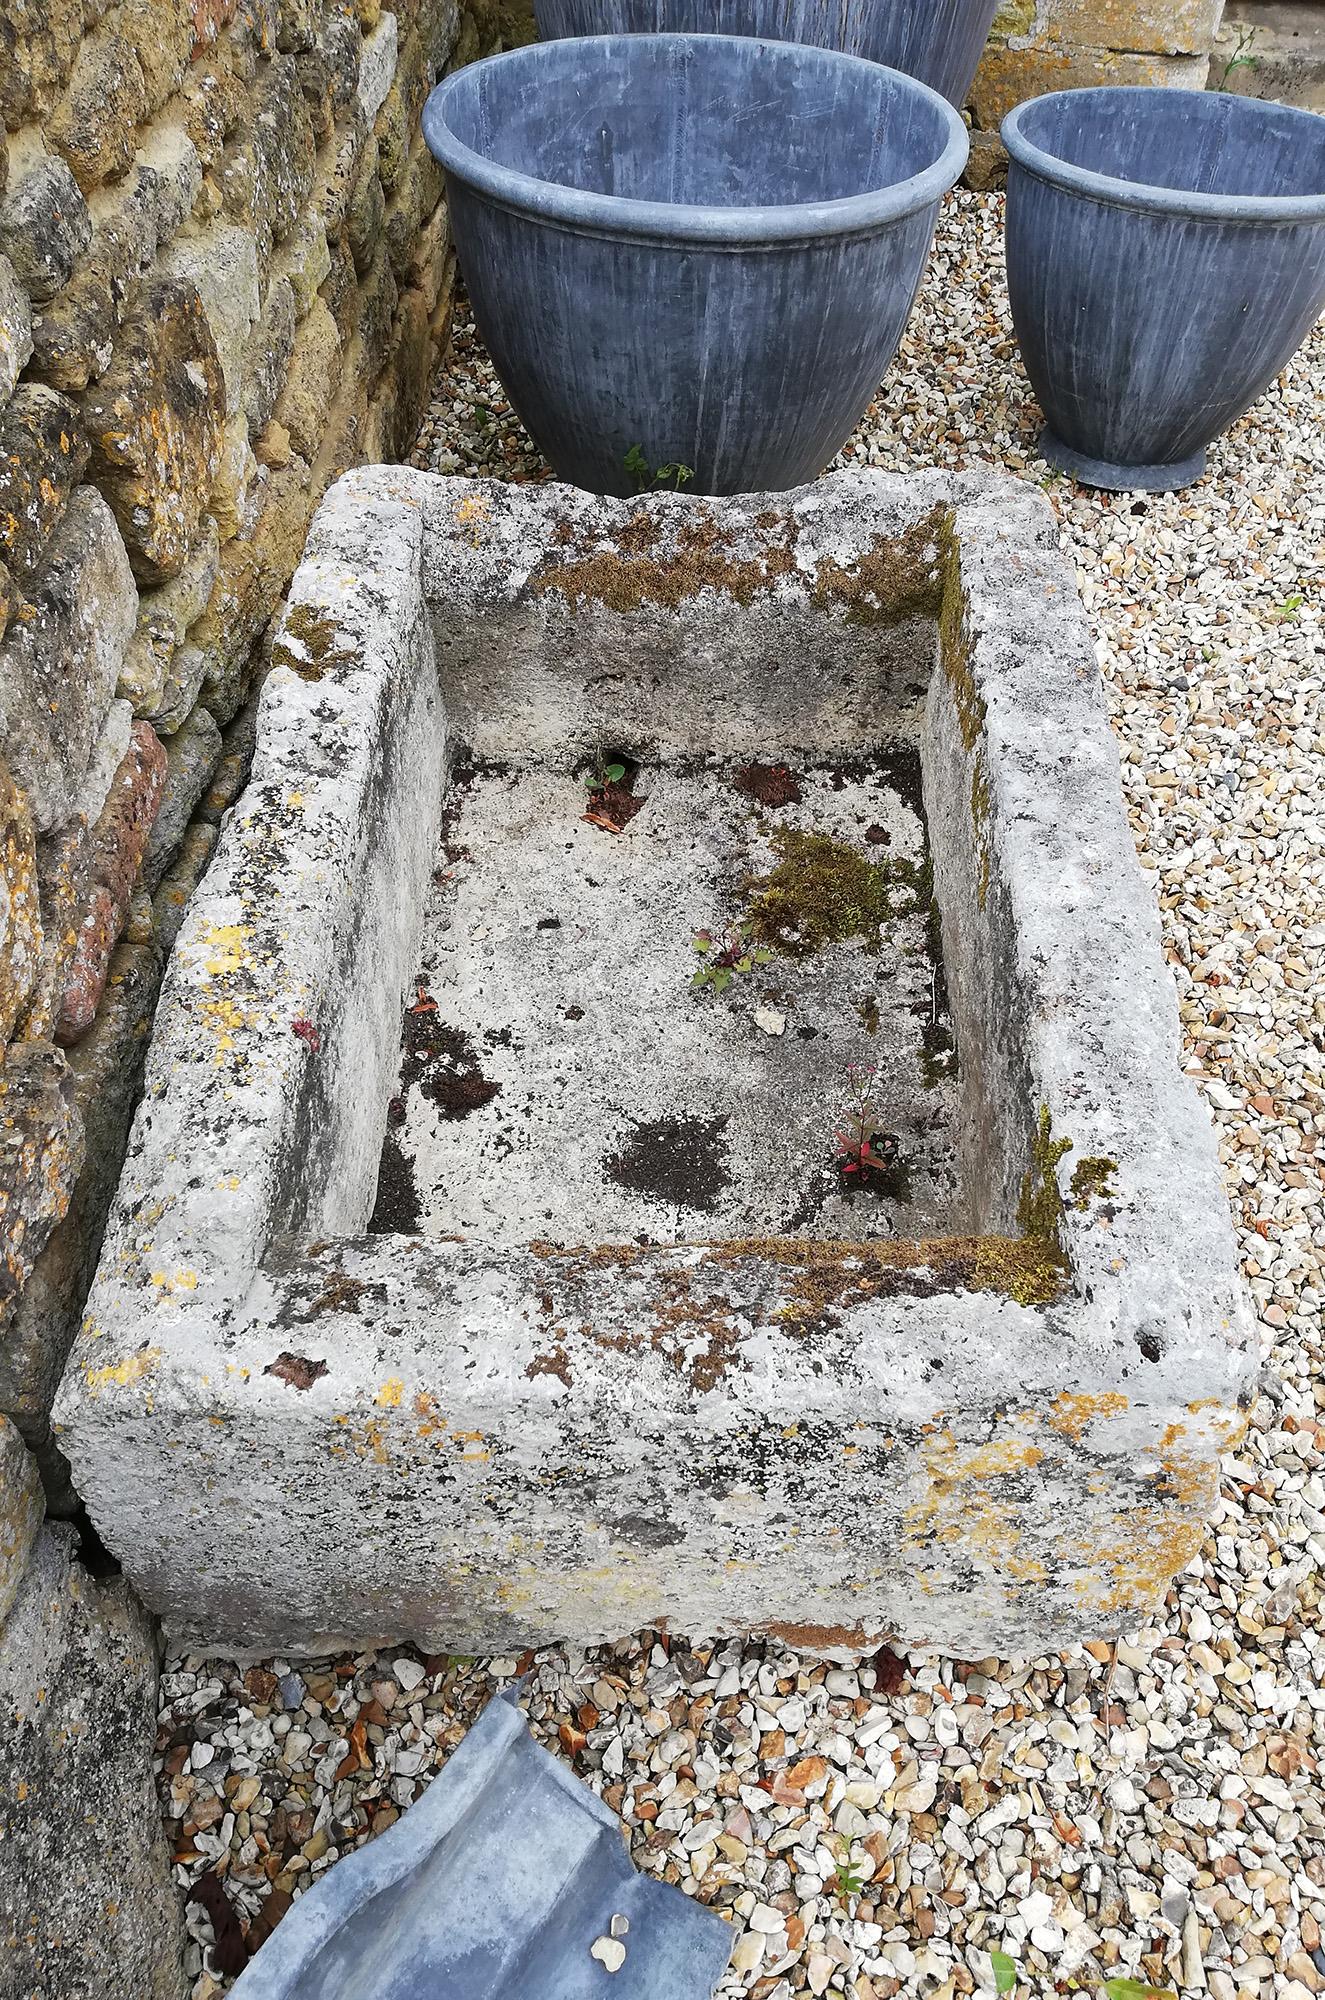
1120 478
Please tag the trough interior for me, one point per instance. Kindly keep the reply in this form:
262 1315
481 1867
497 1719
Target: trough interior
561 1078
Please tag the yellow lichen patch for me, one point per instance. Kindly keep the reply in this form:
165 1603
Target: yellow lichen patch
182 1281
122 1374
225 943
389 1395
1074 1414
959 1510
226 1018
473 513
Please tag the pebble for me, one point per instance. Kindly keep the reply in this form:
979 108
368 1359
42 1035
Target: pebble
1051 1808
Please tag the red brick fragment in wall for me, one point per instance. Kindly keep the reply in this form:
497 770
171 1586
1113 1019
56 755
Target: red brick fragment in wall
118 844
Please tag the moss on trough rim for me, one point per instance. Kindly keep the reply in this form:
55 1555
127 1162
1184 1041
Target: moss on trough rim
826 1274
900 576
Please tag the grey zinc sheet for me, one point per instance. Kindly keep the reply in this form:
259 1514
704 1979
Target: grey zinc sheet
495 1885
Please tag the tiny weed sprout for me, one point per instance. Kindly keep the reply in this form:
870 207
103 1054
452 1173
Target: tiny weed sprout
1241 58
849 1879
725 953
1286 613
604 774
1004 1971
861 1148
674 475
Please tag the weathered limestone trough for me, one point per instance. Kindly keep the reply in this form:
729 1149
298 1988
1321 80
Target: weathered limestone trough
571 1317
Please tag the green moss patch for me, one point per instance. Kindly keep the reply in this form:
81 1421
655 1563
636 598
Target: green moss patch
823 892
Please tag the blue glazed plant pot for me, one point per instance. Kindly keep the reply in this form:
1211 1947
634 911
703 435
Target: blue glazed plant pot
938 41
693 251
1166 258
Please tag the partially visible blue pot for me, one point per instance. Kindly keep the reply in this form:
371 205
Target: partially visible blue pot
691 249
1166 258
938 41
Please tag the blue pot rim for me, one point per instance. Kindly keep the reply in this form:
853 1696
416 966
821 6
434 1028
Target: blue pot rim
1266 208
617 215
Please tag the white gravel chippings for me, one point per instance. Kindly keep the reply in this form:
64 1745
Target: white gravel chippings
877 1830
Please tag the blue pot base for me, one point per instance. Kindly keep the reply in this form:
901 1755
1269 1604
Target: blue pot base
1120 478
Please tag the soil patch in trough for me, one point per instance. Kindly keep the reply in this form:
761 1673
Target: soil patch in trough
564 1079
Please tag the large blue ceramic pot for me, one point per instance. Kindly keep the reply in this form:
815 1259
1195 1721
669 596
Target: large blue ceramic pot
691 250
938 41
1166 257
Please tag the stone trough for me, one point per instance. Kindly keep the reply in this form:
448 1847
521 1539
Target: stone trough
476 1278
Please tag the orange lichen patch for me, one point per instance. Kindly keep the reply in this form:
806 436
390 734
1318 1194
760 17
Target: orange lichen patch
389 1395
1074 1414
430 1424
1132 1573
1189 1476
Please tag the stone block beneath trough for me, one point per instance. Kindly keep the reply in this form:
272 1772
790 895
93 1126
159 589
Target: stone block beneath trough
477 1277
87 1905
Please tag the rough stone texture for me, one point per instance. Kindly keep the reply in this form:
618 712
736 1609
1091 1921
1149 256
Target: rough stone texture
119 843
21 1511
44 225
41 1152
87 1907
38 44
174 184
268 355
192 755
154 422
1010 75
313 377
20 907
61 655
164 616
43 454
222 262
15 329
1158 27
956 1441
180 880
162 39
93 126
106 1067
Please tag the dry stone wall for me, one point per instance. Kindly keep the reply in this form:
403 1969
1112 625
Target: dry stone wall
225 275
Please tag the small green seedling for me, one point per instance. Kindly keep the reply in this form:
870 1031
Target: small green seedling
646 479
850 1882
724 955
1136 1989
604 774
1004 1970
1286 613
